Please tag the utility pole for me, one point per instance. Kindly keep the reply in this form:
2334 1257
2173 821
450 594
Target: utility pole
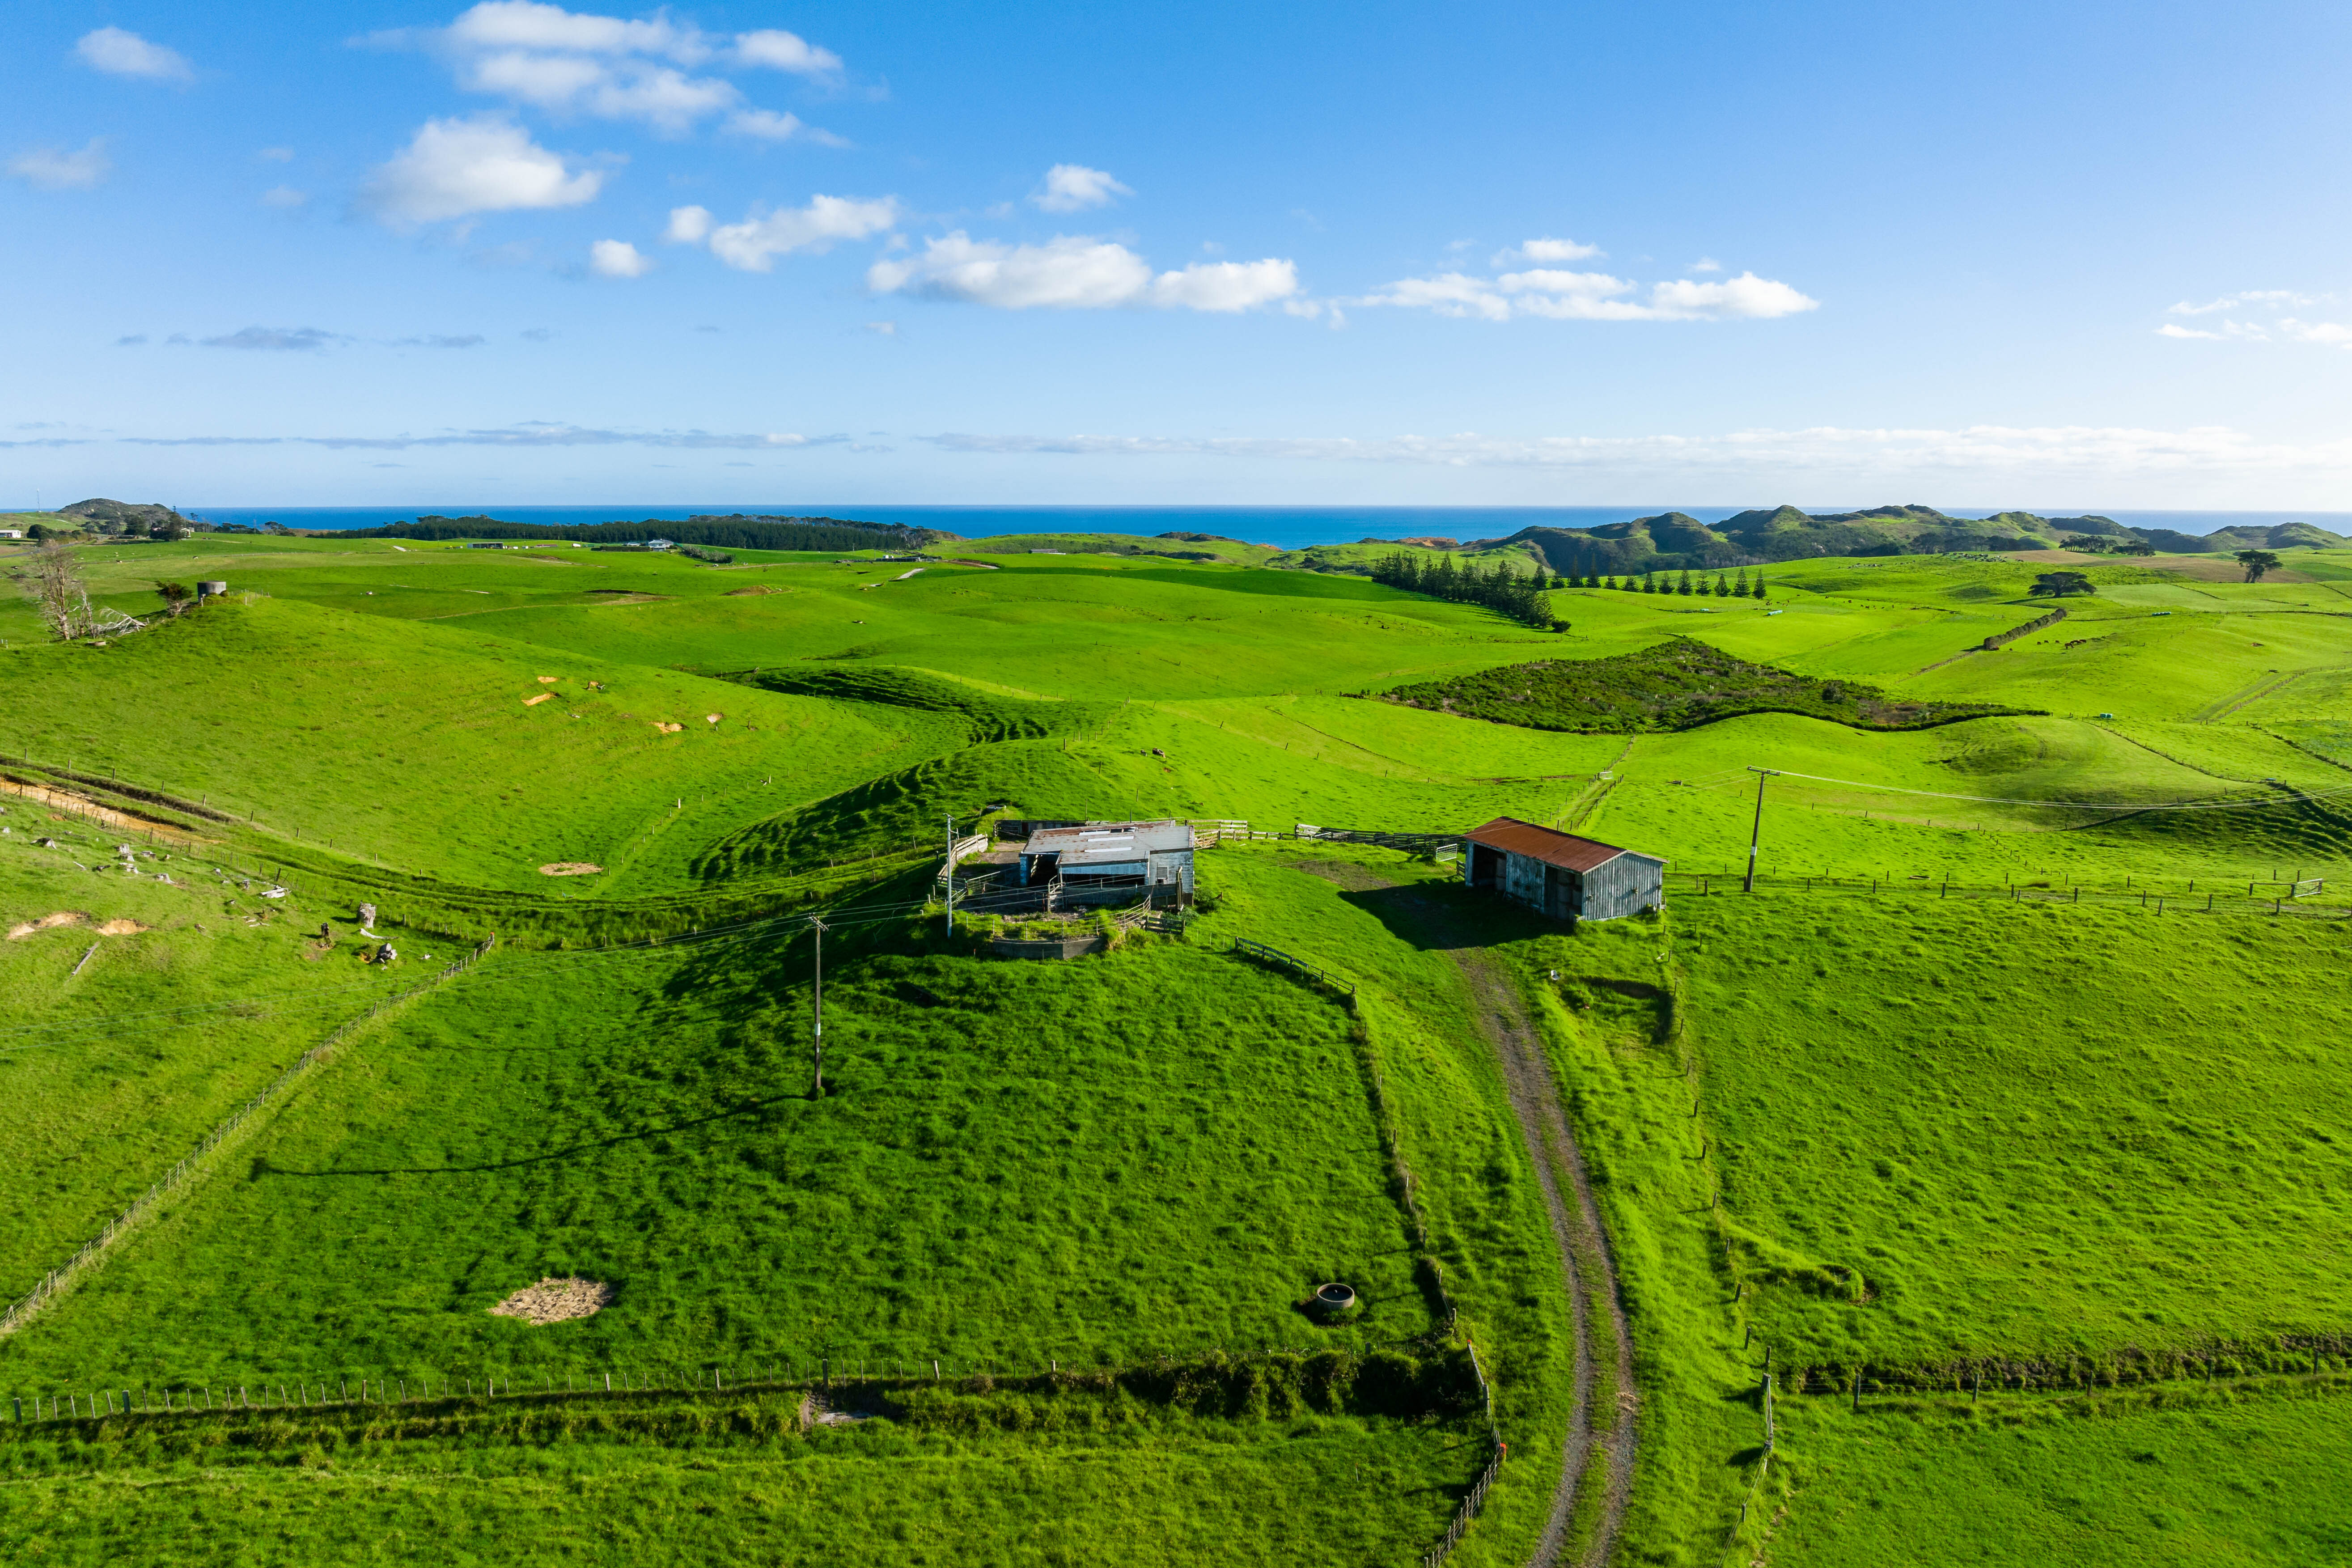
1757 832
816 1052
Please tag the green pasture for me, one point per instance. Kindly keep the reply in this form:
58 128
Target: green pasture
132 1025
1894 1131
2235 1479
1952 1129
691 1486
420 746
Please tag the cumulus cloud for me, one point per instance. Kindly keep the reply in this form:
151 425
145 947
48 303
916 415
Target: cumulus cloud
608 67
1563 295
753 244
2175 329
1074 187
276 340
618 259
1075 272
768 125
120 53
55 169
780 50
688 226
1546 250
454 168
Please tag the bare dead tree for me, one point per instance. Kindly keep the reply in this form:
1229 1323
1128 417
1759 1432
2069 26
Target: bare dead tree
54 579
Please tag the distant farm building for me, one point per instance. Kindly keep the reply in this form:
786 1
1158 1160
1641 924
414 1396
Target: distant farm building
1111 862
1560 874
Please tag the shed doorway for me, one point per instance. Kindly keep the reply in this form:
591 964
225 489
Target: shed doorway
1486 867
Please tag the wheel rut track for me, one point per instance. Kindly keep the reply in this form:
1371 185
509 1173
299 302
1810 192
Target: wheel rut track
1586 1261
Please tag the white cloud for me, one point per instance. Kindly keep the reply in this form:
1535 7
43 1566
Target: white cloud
1563 295
2250 296
784 51
457 167
618 259
1225 286
2332 334
1074 187
283 196
55 169
688 226
1448 294
753 244
574 62
2073 456
1546 250
883 329
120 53
768 125
2257 316
1706 264
1066 273
1075 272
1746 297
528 25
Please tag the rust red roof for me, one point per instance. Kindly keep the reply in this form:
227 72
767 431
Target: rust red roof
1554 848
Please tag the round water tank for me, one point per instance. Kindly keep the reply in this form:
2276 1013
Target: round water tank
204 590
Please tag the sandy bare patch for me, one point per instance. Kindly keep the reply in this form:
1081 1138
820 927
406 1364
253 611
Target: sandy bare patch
120 928
547 679
712 717
736 592
83 805
569 868
556 1300
535 701
46 923
668 728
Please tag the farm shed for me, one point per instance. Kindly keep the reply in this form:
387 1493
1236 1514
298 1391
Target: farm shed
1111 861
1560 874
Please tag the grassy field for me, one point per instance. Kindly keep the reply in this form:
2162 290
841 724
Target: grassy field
1897 1135
2238 1479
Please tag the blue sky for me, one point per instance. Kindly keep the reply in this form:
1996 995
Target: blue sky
1981 255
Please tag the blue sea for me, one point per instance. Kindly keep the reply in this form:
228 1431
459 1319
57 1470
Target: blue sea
1286 527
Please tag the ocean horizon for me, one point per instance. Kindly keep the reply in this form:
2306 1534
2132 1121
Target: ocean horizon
1285 527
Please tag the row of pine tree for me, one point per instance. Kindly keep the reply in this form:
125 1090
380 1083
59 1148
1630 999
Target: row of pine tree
1663 583
1502 589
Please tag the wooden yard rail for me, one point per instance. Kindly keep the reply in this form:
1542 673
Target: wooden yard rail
1273 955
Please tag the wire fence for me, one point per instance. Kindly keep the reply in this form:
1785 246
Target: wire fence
57 1280
1473 1502
814 1371
2286 896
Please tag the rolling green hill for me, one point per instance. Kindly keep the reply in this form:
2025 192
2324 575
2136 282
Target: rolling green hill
1974 1098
